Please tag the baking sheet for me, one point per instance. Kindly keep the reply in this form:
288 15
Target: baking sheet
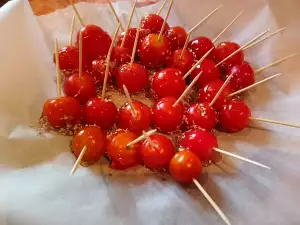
35 186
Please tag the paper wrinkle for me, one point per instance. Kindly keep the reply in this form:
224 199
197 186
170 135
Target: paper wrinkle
34 171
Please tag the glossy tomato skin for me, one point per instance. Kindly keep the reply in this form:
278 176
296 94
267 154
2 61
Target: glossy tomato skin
243 76
177 37
81 88
201 45
95 41
209 91
62 112
68 58
122 157
120 56
98 71
134 76
157 154
201 115
154 23
166 117
200 142
130 38
135 123
154 53
209 73
185 166
93 139
100 112
184 64
223 50
168 83
234 116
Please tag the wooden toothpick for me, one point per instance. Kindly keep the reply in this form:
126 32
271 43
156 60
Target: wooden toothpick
108 60
162 7
223 31
58 77
266 37
165 21
198 63
115 14
185 45
80 54
72 30
211 201
147 137
129 100
136 42
141 138
254 85
77 13
187 89
274 122
129 23
242 48
78 161
241 158
276 63
220 91
204 19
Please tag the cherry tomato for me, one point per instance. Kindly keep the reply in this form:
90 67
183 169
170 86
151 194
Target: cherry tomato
134 76
135 122
199 142
93 139
243 76
177 37
153 23
68 58
95 41
98 71
185 166
209 73
154 53
167 117
209 91
201 45
157 154
223 50
121 156
100 112
234 116
168 83
81 88
201 115
120 56
130 38
184 63
62 112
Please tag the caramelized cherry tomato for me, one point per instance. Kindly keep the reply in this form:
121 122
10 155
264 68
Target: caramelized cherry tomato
184 63
153 23
177 37
200 46
68 58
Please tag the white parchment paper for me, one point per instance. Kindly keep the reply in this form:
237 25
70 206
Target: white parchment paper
35 186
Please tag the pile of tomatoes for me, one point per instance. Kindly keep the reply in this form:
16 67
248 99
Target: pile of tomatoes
158 70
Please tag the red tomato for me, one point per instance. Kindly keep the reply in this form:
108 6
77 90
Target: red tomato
98 71
185 166
153 23
120 56
68 58
62 112
200 143
93 139
81 88
167 117
184 64
157 154
154 53
134 76
122 157
168 83
100 112
200 46
177 37
135 123
234 116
